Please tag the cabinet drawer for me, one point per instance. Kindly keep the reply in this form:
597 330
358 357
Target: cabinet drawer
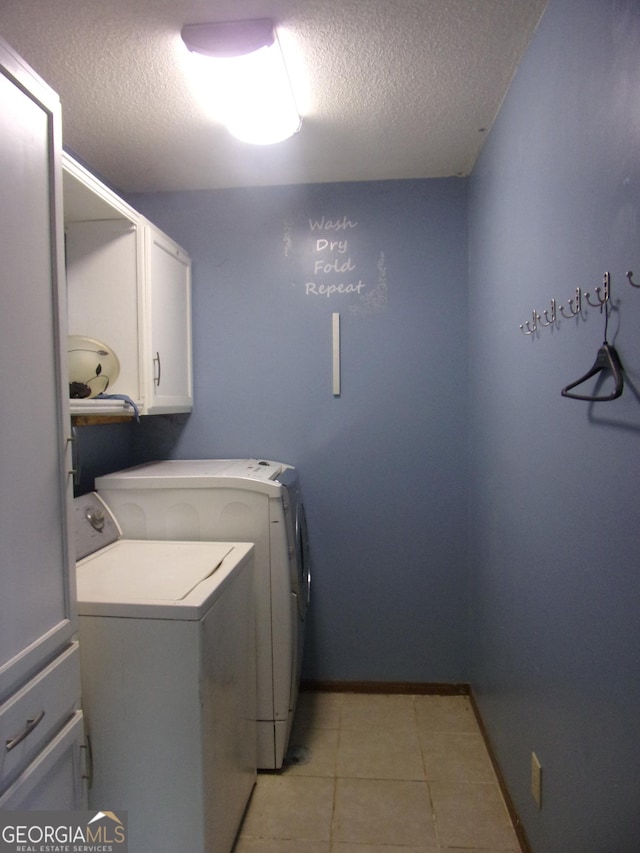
30 717
53 781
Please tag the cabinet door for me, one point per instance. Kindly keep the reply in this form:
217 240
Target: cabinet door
168 364
36 610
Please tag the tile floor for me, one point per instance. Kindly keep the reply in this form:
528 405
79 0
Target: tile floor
380 774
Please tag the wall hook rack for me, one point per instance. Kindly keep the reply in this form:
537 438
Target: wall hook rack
602 294
573 307
549 319
531 325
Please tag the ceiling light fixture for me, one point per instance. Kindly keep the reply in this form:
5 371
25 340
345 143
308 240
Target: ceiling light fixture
245 73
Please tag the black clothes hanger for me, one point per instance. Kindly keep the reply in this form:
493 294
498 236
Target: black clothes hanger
607 359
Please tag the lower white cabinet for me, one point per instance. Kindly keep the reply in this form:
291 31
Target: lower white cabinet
129 287
55 779
31 716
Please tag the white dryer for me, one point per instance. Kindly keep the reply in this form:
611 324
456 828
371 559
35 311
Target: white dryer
242 500
167 647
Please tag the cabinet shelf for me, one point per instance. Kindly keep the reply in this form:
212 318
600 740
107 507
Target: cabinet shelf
93 420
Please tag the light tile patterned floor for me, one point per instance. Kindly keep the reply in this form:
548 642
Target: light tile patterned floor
372 773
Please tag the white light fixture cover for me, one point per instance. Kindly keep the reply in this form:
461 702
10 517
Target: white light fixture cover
246 75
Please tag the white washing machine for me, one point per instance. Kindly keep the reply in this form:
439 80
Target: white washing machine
243 500
167 646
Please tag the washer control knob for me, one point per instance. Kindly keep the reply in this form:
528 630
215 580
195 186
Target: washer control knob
95 515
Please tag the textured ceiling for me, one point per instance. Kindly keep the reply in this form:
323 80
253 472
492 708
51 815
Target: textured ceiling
387 88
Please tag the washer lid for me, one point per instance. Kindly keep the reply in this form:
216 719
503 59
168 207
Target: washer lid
141 570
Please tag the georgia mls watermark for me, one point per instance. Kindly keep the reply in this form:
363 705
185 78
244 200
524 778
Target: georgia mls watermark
63 832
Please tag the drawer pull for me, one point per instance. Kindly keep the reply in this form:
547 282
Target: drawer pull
32 722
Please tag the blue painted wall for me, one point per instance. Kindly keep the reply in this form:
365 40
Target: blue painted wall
554 556
384 465
538 605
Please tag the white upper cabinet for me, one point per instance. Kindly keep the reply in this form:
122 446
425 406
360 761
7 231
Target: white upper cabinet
129 287
168 300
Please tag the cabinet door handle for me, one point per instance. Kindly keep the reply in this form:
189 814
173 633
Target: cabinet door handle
157 373
88 774
32 722
76 467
